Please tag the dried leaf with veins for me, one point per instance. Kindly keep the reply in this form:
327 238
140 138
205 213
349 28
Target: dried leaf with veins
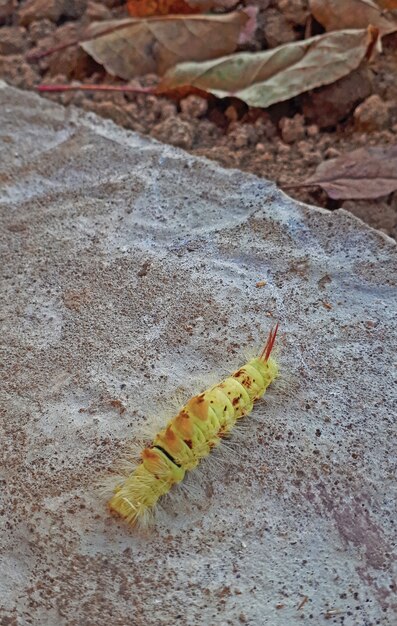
133 47
362 173
264 78
341 14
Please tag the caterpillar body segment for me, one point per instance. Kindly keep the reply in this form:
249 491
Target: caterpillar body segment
191 435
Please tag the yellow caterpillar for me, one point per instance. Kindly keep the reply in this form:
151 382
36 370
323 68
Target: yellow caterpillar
189 436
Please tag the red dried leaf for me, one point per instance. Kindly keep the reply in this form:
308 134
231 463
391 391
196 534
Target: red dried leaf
146 8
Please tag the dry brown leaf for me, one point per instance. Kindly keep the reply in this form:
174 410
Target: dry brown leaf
264 78
145 8
341 14
133 47
362 173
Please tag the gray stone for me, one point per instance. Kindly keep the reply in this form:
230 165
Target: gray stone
129 270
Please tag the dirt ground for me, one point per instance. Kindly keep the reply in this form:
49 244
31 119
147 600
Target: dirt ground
284 143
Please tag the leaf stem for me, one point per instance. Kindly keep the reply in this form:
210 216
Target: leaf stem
35 56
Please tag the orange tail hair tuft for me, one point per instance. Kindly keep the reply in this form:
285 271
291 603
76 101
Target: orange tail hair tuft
269 343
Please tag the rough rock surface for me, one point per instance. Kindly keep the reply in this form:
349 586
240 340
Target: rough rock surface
129 269
372 114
